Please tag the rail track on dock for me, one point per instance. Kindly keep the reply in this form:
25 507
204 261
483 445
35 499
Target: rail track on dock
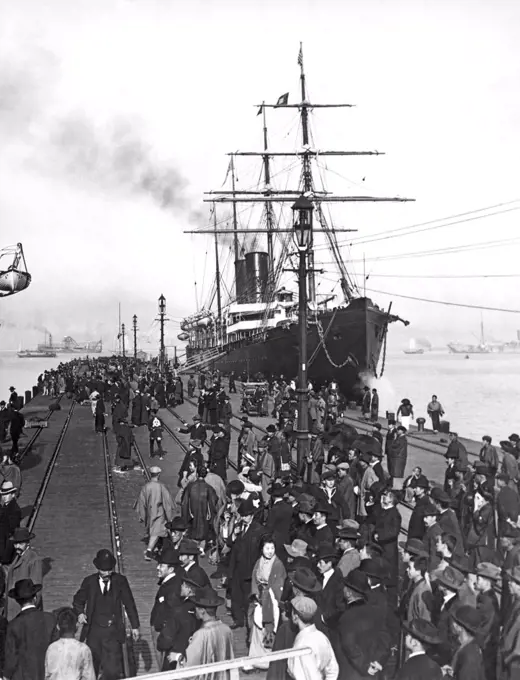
77 511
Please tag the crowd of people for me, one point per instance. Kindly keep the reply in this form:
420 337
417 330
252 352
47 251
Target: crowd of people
305 556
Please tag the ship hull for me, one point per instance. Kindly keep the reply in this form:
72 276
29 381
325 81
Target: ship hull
350 353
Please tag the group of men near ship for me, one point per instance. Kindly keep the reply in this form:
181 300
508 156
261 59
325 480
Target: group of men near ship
307 560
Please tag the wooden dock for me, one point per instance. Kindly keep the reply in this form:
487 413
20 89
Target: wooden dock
73 521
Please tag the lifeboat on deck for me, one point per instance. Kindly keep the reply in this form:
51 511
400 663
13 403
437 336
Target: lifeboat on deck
14 276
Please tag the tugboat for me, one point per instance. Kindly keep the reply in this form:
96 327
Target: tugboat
36 354
256 330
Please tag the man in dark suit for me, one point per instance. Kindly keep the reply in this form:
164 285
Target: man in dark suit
330 600
175 636
279 519
188 551
99 604
28 635
420 634
467 661
244 553
168 594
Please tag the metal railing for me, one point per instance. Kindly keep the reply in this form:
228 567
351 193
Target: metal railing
207 670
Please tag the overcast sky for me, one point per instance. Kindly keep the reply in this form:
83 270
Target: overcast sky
116 116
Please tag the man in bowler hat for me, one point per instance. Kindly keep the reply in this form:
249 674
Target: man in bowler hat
99 604
28 635
168 595
419 636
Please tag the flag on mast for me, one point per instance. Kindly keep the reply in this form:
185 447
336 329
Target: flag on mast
283 99
260 111
300 56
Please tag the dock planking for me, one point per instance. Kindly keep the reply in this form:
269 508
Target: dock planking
74 523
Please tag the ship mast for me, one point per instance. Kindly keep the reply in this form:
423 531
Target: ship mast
307 175
235 223
217 273
268 206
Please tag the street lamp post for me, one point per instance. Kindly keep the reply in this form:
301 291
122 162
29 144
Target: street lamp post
302 223
162 314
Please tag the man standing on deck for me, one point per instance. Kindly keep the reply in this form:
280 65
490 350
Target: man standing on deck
99 604
435 411
155 507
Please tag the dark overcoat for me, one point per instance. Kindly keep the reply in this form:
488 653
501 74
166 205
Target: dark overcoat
362 637
279 522
467 663
28 636
84 602
199 506
420 667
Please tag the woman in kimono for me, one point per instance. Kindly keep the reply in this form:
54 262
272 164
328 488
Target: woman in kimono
266 591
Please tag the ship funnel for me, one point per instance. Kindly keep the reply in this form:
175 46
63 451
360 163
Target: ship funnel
257 269
241 281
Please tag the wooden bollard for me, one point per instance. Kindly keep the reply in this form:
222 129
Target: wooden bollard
28 396
35 391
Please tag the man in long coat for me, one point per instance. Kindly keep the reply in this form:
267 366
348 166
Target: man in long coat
139 410
218 451
244 553
199 507
99 605
28 635
26 564
155 508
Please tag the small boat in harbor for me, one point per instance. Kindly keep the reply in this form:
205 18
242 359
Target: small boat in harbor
413 349
36 354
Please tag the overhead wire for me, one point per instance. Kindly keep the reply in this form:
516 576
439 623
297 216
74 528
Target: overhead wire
421 227
445 302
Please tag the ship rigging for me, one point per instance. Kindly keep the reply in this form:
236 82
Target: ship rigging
256 330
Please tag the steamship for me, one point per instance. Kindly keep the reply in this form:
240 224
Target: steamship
256 332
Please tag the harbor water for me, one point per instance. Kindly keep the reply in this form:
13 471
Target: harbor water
480 395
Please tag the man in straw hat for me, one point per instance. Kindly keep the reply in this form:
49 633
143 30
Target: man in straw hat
467 661
155 508
509 658
26 564
419 636
321 662
213 641
28 635
10 518
99 604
